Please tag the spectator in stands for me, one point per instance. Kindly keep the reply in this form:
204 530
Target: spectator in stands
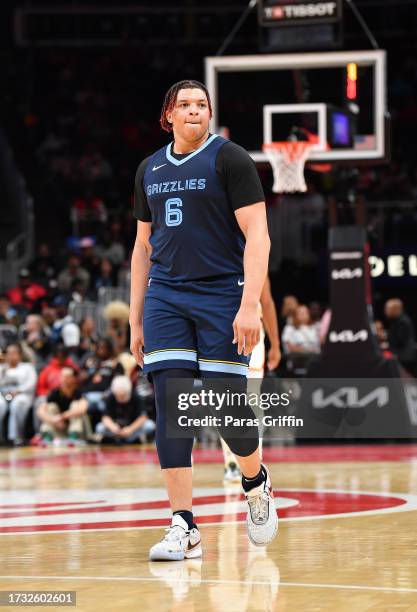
35 333
87 211
17 391
27 294
382 337
50 376
43 267
116 314
89 338
124 418
301 336
97 371
110 248
8 314
289 306
401 335
64 328
62 414
73 272
316 312
105 277
89 259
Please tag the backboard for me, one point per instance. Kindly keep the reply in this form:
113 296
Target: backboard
258 98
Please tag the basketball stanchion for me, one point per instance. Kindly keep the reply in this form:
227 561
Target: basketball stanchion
288 159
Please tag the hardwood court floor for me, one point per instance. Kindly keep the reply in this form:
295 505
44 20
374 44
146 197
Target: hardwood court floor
84 519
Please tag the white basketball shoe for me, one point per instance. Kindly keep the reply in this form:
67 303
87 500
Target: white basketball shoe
262 518
179 543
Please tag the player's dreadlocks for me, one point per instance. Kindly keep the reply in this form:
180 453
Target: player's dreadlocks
171 98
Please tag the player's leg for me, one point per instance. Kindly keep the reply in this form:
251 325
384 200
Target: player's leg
232 472
217 357
183 537
170 352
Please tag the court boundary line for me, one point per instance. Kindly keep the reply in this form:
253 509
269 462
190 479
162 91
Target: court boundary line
307 585
409 506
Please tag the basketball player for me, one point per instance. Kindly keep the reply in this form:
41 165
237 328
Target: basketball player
200 256
269 325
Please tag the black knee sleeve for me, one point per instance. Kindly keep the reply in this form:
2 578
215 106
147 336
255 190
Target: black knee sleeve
245 440
172 452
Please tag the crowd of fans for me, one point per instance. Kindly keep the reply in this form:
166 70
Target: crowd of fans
63 382
60 378
305 329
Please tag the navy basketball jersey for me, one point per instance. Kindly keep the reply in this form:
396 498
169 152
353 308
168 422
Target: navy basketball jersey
195 234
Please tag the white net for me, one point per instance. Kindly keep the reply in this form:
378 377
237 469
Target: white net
288 160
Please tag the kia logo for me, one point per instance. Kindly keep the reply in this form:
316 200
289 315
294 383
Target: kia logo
347 335
348 397
347 274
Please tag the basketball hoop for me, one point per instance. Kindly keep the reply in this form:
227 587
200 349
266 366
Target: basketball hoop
287 159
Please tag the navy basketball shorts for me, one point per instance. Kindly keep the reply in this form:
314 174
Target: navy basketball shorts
189 325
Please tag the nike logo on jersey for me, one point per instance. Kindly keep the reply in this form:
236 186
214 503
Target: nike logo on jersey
157 167
240 283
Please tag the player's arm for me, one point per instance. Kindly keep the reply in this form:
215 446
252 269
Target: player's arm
140 264
139 272
246 326
241 181
270 321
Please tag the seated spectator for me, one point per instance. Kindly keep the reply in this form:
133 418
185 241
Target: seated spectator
124 418
87 210
17 391
27 295
316 313
110 248
73 272
89 259
35 333
105 277
382 337
43 267
117 316
64 329
62 414
97 371
301 336
8 314
88 338
401 335
50 376
288 308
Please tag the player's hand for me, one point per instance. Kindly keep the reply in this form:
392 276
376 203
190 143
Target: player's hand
274 358
136 343
246 329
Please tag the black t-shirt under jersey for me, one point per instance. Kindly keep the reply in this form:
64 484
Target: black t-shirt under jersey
236 171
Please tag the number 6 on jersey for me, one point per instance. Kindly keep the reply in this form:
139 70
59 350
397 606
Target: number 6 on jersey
173 212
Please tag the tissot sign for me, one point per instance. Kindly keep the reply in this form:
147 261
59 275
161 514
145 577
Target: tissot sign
294 12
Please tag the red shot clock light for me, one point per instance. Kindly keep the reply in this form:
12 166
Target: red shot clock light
352 81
